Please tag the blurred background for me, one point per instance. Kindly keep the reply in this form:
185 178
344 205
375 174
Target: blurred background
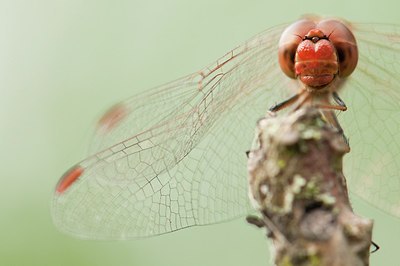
62 63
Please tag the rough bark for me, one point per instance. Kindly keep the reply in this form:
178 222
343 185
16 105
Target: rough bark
297 184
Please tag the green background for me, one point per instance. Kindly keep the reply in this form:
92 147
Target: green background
62 63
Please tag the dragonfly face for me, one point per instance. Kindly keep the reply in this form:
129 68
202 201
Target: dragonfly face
317 52
316 63
174 156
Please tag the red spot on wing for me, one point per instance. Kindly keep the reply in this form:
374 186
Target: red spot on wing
69 178
112 117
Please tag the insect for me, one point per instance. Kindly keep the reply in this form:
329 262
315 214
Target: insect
174 156
321 55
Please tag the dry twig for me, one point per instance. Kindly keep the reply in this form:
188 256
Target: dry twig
297 184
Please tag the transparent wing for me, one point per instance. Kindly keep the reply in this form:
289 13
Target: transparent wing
175 156
372 121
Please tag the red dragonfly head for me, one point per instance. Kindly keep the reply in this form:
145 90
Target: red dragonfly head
317 52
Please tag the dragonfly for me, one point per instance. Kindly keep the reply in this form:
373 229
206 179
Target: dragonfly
174 156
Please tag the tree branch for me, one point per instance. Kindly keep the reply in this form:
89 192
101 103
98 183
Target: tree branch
297 184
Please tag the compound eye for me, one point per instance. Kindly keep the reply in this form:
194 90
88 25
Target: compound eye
288 43
286 59
347 56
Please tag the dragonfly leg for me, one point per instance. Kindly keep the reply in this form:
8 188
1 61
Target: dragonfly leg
340 107
331 107
260 223
254 220
330 116
339 101
376 246
285 103
306 97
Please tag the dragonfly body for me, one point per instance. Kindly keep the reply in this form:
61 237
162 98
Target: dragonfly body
172 157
